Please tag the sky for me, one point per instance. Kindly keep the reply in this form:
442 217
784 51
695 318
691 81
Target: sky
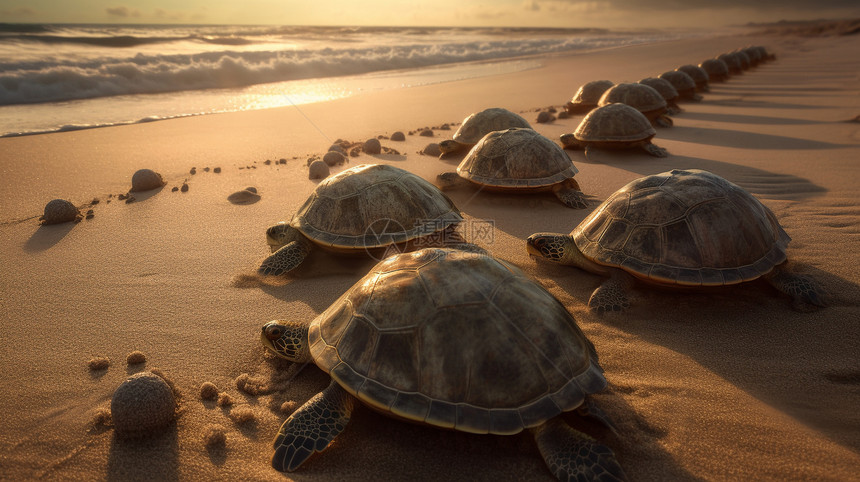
524 13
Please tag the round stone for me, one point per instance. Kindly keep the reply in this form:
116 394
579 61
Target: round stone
398 136
318 170
372 146
60 211
334 158
145 180
142 405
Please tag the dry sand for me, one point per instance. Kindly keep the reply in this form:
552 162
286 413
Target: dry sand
726 385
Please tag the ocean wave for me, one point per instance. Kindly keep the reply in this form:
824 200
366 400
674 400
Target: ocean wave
52 81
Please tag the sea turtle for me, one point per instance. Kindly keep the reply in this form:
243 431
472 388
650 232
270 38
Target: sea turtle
683 228
449 339
718 70
366 208
614 126
479 124
743 58
699 76
587 97
518 160
754 54
733 62
642 98
683 83
667 90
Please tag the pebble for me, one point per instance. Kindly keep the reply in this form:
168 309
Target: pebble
334 158
142 405
145 180
318 170
398 136
372 146
426 133
60 211
432 149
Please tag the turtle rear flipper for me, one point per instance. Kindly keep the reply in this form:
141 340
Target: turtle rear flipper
664 121
572 455
655 151
312 427
286 258
569 193
805 293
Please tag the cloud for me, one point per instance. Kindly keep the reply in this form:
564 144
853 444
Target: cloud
18 12
122 12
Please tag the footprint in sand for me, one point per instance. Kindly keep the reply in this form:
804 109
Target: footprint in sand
246 196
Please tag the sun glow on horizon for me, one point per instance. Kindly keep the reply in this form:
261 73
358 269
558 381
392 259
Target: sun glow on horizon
478 13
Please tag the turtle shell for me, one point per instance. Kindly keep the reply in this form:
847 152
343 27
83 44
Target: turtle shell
479 124
373 205
663 86
717 69
639 96
456 340
679 80
614 123
698 74
589 93
732 61
516 158
684 227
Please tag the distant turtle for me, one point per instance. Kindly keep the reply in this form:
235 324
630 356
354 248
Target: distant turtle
367 208
614 126
518 160
667 90
683 83
587 97
743 58
683 228
453 340
733 62
479 124
754 55
642 98
699 76
718 70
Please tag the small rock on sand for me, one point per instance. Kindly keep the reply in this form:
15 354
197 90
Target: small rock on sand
246 196
545 117
144 404
398 136
432 149
60 211
145 180
318 170
334 158
372 146
426 133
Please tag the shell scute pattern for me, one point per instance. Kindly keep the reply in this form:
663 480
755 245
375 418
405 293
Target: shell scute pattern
516 157
614 123
640 96
479 124
343 207
684 227
422 363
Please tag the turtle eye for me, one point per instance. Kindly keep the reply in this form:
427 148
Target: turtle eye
273 332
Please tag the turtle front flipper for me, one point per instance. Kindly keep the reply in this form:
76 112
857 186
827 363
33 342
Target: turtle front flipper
569 193
805 292
286 259
572 455
312 427
612 294
655 151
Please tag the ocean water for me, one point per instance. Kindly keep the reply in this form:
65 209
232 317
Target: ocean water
66 77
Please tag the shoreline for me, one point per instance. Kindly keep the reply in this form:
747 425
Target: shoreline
729 384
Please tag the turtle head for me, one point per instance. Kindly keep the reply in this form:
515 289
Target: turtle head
287 339
449 180
569 141
448 146
279 235
550 246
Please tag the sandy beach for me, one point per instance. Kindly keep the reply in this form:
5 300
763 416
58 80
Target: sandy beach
726 384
